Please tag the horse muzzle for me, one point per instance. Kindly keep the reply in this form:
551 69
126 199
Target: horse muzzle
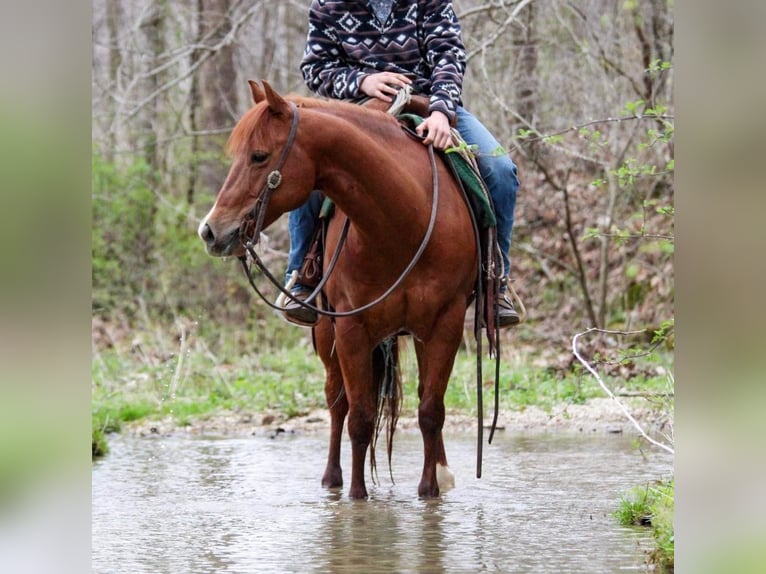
220 244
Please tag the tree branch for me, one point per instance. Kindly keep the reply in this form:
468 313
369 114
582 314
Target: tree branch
499 31
578 127
606 389
210 51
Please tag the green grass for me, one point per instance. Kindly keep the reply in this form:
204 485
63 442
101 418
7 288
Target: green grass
217 372
234 370
521 385
652 506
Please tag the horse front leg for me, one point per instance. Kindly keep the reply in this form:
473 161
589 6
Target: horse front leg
355 359
361 425
445 478
436 357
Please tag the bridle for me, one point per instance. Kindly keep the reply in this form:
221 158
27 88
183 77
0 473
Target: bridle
273 180
255 217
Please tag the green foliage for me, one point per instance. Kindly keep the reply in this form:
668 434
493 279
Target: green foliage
524 134
463 147
98 444
634 509
664 334
657 66
554 139
147 260
652 505
123 210
634 107
144 379
474 149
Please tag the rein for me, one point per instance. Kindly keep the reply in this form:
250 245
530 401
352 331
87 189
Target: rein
258 212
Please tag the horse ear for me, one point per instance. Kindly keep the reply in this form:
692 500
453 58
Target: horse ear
277 103
258 95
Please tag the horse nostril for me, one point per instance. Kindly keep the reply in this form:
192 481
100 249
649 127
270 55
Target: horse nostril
206 233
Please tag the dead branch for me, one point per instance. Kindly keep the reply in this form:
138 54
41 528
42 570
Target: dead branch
606 389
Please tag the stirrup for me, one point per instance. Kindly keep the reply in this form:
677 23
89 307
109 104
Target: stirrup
518 303
289 314
283 299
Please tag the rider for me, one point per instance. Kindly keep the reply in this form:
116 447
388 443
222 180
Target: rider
358 48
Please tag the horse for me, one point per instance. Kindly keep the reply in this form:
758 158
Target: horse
379 178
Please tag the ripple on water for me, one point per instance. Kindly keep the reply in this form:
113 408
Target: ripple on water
544 504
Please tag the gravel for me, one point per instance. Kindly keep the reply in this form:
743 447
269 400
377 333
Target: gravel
600 415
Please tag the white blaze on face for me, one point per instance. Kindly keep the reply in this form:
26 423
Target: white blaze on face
445 478
204 220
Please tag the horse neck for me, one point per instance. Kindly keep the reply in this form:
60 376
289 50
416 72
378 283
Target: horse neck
371 179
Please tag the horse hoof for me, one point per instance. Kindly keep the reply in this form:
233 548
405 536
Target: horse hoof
332 480
357 493
428 491
445 478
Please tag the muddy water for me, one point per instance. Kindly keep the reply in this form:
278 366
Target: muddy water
544 503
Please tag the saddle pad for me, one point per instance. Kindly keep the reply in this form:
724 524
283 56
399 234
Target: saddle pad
466 170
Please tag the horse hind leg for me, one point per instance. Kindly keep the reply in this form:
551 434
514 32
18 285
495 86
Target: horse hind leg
337 403
338 406
445 478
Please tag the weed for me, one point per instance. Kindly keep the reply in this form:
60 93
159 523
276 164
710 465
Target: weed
98 441
652 505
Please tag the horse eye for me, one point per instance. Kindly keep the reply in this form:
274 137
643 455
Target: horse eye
259 157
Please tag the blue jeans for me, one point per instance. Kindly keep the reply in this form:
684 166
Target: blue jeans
499 173
301 224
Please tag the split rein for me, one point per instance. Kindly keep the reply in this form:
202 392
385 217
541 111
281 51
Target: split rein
254 219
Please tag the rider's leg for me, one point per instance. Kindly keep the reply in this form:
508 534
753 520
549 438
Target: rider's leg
301 224
500 175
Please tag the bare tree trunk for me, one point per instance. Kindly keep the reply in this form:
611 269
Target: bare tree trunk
113 45
154 31
218 89
153 28
194 105
525 45
606 243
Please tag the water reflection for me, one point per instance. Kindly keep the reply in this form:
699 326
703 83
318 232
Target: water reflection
255 505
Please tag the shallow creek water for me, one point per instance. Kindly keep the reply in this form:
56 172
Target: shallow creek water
543 504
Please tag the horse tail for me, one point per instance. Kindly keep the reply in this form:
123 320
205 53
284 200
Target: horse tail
388 387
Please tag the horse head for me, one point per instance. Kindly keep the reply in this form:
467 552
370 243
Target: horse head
269 175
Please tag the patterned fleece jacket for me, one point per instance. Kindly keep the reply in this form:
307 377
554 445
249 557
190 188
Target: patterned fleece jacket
420 39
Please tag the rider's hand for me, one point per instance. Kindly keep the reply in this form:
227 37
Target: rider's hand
437 130
383 85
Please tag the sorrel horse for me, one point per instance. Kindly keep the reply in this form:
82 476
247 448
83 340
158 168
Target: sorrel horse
380 179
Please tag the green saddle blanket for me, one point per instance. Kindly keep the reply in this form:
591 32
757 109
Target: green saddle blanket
463 165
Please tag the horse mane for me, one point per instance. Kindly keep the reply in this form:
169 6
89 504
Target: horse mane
243 131
337 107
